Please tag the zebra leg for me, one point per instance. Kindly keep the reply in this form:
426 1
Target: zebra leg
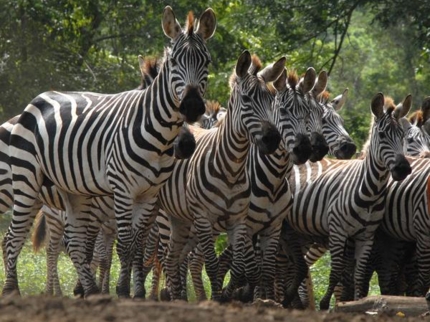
178 239
197 261
109 241
14 240
423 260
363 248
242 249
56 232
337 246
78 209
225 260
205 237
269 244
150 261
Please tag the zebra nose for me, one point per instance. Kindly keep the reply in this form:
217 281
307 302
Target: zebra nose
192 104
302 149
270 138
401 168
184 144
319 147
346 150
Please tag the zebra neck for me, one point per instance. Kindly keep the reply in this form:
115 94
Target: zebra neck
157 120
232 149
375 177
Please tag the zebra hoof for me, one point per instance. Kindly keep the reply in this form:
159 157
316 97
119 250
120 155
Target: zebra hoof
428 296
78 291
122 294
165 295
139 295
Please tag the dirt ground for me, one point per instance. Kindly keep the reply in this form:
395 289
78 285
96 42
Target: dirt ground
105 308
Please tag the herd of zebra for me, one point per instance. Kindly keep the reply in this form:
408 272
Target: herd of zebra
136 168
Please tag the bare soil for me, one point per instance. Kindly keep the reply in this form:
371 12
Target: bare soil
105 308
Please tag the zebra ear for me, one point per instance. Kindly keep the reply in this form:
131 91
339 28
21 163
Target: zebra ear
321 83
339 101
171 26
243 64
281 83
377 105
404 108
425 108
273 71
406 125
308 82
207 24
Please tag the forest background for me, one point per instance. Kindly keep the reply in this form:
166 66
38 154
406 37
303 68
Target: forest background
367 46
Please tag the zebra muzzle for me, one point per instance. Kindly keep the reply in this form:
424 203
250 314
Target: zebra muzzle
346 150
192 104
319 147
270 138
302 149
401 168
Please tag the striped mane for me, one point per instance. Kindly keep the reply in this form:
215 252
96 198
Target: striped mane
389 107
416 118
212 107
293 79
324 96
190 23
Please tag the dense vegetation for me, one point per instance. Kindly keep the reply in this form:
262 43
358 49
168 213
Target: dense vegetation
71 45
368 46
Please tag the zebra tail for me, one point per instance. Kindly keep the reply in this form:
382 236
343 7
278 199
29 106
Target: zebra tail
39 233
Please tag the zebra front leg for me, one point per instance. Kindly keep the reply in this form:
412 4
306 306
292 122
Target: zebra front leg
205 237
197 261
423 260
242 249
363 248
105 269
180 231
78 211
13 242
269 245
337 246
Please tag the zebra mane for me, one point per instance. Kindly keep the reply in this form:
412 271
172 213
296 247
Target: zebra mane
416 118
189 27
324 96
149 70
293 78
256 65
212 107
389 107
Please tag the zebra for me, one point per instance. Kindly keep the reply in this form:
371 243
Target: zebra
399 227
215 181
350 210
340 145
118 145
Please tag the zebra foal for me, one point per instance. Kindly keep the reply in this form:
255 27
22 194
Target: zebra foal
118 145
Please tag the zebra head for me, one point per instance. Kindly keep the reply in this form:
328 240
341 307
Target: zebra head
251 101
339 142
312 89
414 142
425 109
188 60
387 137
291 111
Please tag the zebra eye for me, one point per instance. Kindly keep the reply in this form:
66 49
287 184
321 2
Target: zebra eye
381 135
410 140
246 98
173 62
283 111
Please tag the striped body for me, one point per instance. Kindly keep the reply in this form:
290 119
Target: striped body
118 145
214 180
346 202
